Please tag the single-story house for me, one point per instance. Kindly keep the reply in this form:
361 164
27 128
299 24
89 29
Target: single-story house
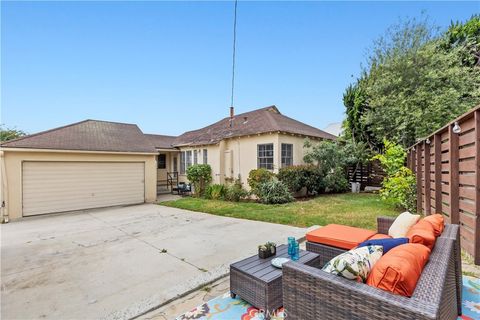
93 164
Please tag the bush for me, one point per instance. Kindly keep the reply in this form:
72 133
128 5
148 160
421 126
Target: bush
336 181
200 175
399 186
274 192
297 177
235 192
215 192
400 189
257 176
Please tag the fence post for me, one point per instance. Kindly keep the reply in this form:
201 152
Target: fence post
418 150
476 245
426 170
454 175
437 144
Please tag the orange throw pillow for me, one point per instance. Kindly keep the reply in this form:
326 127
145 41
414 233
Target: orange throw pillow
438 223
422 232
399 269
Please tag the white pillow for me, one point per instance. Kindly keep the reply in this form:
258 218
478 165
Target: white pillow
402 224
356 263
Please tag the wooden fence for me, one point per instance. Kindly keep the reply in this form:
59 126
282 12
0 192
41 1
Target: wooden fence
446 165
370 174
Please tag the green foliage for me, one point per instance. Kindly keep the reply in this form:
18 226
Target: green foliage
298 177
235 191
10 133
215 192
273 192
257 176
393 157
200 175
332 159
399 187
415 81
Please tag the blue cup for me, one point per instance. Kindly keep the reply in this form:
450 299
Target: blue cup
296 252
291 244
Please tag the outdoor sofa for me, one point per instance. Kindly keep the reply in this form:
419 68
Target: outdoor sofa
310 293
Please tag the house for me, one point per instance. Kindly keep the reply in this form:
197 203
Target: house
93 164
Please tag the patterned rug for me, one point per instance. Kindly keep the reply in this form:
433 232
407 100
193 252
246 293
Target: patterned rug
226 308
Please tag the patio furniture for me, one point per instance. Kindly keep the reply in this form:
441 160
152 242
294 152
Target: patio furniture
310 293
182 188
256 281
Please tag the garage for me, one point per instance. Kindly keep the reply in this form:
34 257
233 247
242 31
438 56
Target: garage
50 187
85 165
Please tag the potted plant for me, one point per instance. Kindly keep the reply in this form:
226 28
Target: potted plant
267 250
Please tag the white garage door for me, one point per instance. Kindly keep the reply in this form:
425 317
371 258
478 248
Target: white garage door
65 186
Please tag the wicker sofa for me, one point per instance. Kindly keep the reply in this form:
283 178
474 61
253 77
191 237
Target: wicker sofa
310 293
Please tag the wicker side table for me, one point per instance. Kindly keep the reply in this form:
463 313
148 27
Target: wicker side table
259 283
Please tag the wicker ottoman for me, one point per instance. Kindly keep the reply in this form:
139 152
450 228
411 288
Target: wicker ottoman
259 283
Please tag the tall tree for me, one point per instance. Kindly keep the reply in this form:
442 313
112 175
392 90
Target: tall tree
9 133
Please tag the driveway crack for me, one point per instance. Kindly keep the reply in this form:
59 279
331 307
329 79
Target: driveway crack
147 243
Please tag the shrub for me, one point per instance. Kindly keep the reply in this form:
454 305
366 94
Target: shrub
399 186
215 192
336 181
297 177
200 176
274 192
235 192
257 176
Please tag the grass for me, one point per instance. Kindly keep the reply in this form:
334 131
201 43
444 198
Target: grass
358 210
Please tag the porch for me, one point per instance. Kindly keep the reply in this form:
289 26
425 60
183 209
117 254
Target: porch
168 176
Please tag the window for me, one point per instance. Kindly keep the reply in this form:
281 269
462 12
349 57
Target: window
195 156
265 156
162 161
205 156
182 162
188 160
287 154
175 165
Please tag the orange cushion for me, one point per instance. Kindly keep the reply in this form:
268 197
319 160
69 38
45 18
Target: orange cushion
422 232
399 269
379 236
339 236
437 222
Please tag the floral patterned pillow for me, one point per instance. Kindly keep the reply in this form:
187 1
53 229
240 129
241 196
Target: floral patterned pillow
355 264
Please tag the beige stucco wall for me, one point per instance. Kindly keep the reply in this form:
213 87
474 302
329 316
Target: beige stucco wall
12 172
241 153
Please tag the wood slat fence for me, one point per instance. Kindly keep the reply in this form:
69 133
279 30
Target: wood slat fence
446 165
370 174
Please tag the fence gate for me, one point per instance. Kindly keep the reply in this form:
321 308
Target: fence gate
446 165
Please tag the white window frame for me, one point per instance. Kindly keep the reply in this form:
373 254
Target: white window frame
264 159
205 156
287 160
195 156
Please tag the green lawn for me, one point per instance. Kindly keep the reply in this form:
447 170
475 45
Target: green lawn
358 210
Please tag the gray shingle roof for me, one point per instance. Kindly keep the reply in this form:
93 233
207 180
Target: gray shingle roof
161 141
262 120
88 135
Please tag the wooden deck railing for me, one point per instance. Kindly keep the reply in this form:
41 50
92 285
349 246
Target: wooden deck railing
447 168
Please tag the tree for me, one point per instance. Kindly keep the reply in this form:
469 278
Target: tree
10 133
200 175
416 80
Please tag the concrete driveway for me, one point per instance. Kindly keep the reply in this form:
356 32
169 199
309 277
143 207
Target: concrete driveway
108 263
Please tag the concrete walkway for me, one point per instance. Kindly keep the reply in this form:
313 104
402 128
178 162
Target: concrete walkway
117 263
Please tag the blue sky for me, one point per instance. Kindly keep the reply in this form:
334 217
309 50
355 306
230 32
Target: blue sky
166 66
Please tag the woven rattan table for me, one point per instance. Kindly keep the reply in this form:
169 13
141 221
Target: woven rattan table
259 283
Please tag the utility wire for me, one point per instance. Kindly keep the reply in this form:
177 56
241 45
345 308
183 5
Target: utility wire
234 48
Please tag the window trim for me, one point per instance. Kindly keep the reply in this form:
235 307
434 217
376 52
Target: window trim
283 157
195 156
205 156
164 156
266 164
182 162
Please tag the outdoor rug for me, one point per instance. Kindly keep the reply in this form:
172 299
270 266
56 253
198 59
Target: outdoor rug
226 308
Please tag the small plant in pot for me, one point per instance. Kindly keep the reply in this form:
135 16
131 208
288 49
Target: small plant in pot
267 250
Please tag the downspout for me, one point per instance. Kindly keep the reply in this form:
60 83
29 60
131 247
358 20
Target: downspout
3 189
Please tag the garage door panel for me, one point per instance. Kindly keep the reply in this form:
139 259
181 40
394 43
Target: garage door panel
66 186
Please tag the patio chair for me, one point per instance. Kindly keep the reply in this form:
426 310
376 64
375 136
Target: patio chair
310 293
